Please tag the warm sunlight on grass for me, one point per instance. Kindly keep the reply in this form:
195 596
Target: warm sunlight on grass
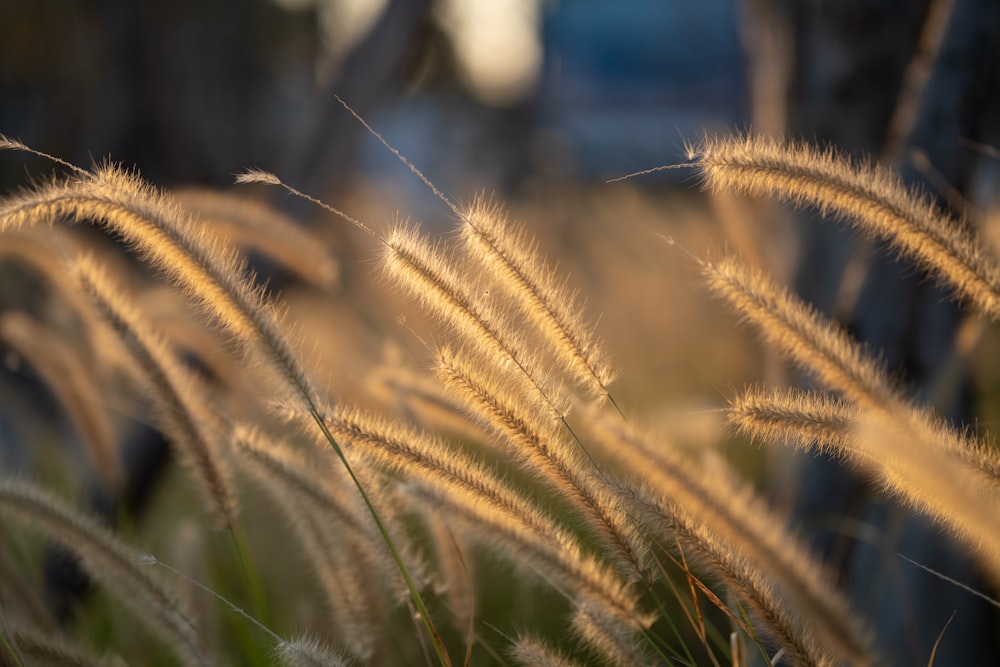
504 442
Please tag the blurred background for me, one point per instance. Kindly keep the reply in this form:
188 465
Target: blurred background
491 92
539 103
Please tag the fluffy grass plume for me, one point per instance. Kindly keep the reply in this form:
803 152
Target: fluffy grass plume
806 419
917 457
752 586
549 452
518 269
171 240
871 197
913 466
308 652
812 420
211 272
490 506
428 274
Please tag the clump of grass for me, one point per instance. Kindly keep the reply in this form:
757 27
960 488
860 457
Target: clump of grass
212 274
576 495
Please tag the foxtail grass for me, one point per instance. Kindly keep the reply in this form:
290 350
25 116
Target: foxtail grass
870 197
212 274
427 274
547 303
489 505
752 586
906 433
679 491
549 452
799 332
913 466
307 652
518 355
813 421
806 419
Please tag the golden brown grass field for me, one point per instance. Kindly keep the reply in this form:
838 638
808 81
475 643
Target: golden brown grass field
564 427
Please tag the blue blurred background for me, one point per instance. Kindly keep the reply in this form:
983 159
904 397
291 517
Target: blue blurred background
479 93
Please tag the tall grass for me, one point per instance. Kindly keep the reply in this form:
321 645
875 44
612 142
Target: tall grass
531 497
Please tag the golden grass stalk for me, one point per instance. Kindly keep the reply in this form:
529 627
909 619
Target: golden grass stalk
488 504
547 451
808 420
796 329
75 382
548 303
532 652
212 274
914 467
115 565
183 405
814 421
871 197
163 233
248 223
47 649
916 455
737 519
840 363
428 275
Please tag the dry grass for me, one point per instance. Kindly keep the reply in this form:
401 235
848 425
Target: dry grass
416 515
